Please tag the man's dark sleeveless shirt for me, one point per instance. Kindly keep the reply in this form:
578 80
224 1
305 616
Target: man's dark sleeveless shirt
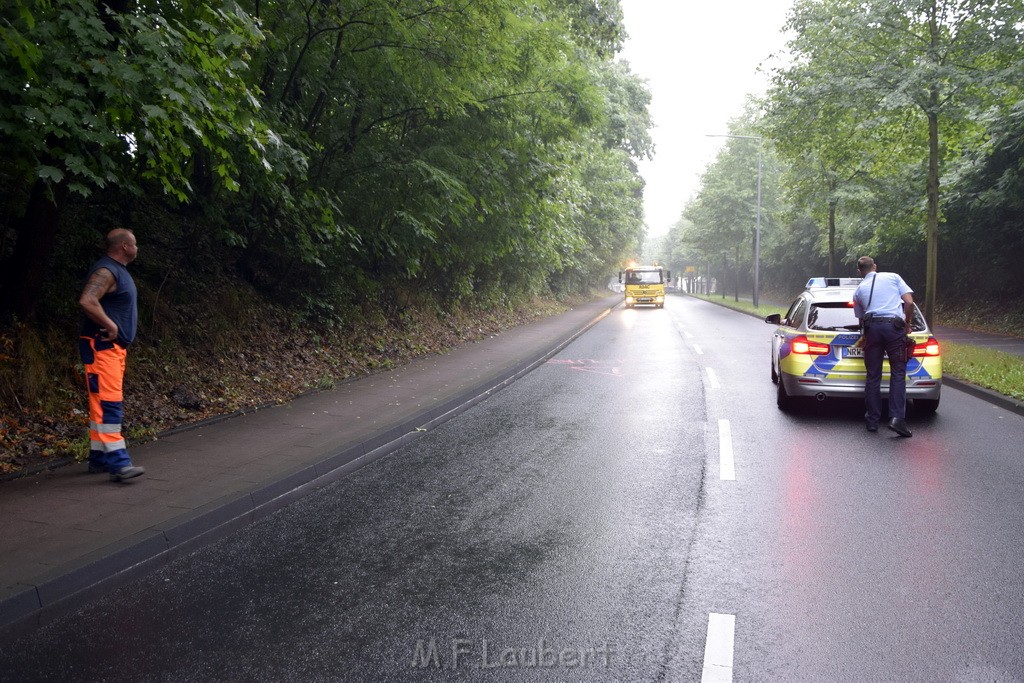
119 305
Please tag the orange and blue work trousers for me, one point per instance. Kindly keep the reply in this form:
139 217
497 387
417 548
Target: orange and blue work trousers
104 375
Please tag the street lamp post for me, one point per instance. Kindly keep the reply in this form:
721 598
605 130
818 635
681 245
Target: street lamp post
757 231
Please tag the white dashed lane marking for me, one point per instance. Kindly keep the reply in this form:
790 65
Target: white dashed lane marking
718 649
713 379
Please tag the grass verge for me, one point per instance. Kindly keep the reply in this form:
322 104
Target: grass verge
745 306
996 370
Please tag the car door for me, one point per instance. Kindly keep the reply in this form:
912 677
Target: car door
789 329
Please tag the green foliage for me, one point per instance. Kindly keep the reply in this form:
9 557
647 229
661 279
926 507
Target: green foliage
996 370
894 130
719 225
94 98
985 212
880 101
323 148
445 134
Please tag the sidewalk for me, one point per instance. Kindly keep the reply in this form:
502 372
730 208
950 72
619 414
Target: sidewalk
67 536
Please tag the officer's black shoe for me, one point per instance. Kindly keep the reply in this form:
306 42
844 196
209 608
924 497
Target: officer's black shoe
899 425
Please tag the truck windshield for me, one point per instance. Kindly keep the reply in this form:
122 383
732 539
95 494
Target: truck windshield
643 277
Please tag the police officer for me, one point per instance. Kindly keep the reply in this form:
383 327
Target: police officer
885 306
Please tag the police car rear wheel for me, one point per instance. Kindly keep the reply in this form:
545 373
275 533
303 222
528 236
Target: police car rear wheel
775 375
926 406
783 399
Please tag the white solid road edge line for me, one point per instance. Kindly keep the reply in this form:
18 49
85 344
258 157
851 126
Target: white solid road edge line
726 465
718 649
713 378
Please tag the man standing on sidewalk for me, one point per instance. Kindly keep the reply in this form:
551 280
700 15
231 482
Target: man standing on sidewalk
885 305
108 302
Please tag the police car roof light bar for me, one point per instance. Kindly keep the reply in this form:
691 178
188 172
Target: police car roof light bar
817 282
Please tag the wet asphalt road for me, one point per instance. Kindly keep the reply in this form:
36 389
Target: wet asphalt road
576 526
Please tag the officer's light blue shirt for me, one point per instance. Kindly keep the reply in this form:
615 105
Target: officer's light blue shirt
886 300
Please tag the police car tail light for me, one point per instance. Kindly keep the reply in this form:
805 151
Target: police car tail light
928 348
805 346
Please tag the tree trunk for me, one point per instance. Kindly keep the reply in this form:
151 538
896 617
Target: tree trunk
725 270
832 237
932 267
737 273
932 225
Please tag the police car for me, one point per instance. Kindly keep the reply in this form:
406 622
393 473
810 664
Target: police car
817 350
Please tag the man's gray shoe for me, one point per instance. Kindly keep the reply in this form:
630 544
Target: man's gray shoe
127 472
899 425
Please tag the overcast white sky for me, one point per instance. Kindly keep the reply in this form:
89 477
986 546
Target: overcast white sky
700 59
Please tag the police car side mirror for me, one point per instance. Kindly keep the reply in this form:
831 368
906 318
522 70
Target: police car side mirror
774 319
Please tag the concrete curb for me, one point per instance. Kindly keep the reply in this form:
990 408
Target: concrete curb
69 587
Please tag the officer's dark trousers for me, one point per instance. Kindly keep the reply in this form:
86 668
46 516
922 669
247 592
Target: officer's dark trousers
883 338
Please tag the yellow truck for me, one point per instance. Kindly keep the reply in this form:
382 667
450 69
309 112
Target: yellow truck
644 285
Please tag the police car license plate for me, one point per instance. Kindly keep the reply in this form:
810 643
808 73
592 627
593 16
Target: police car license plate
854 352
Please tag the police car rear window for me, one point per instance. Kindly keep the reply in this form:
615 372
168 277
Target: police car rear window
832 317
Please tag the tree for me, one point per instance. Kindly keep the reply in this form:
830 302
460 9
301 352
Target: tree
922 63
817 136
122 95
331 146
724 214
448 137
986 210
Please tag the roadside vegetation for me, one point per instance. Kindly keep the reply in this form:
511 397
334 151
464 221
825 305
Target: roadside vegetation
230 357
741 305
891 128
318 189
996 370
